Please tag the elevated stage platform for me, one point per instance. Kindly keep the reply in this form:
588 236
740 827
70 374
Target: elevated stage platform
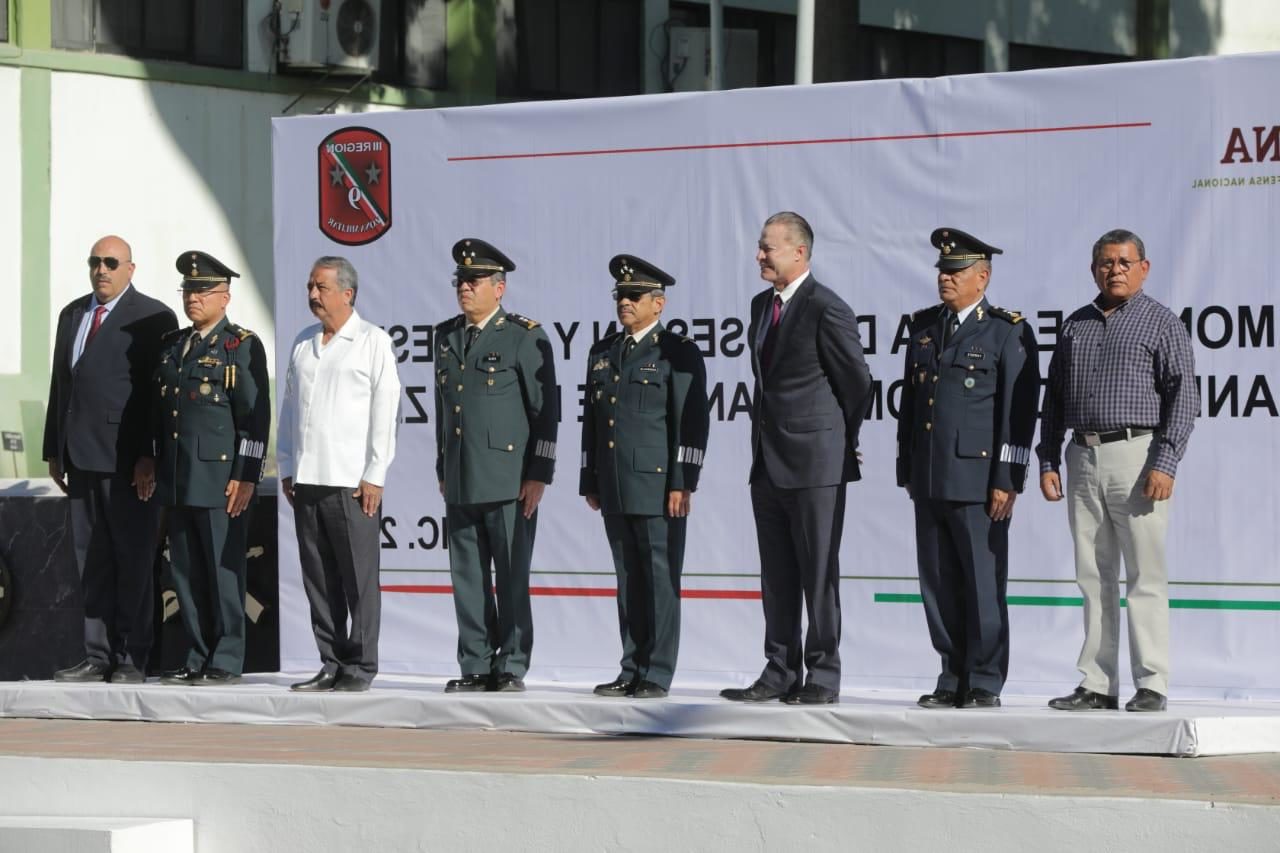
408 767
875 717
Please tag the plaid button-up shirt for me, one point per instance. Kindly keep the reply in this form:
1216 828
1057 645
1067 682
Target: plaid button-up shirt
1134 368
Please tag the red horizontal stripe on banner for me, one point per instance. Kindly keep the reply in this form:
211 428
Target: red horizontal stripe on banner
581 592
849 140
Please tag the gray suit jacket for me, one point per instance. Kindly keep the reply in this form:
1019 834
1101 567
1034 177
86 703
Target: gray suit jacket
809 405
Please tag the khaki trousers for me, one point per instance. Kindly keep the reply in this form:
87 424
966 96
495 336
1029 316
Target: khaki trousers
1111 520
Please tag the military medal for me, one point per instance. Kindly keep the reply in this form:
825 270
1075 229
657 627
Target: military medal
206 389
968 382
925 341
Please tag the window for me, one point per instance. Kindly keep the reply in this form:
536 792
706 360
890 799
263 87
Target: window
412 44
4 21
573 48
881 53
202 32
1023 57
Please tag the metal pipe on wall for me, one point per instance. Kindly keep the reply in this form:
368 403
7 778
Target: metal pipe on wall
804 41
717 45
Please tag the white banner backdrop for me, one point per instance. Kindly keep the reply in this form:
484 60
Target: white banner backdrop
1185 153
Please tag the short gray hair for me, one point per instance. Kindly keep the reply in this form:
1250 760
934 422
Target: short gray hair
1115 237
348 278
797 227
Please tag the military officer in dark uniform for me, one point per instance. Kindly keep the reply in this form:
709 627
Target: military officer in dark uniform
969 403
644 435
213 414
496 419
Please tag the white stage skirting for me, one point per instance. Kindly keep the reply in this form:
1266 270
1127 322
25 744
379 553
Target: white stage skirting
891 718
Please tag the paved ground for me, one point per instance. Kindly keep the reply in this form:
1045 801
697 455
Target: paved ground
1237 779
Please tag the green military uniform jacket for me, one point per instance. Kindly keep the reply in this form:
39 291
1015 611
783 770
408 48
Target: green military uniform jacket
497 409
212 414
644 423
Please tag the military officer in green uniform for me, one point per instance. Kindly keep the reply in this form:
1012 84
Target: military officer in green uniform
496 419
644 435
213 412
970 398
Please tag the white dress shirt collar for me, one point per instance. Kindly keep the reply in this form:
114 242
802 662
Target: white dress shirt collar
639 336
790 290
486 320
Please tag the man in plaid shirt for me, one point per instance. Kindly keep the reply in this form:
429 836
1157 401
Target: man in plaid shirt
1123 379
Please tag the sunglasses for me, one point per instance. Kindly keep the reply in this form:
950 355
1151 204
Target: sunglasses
108 262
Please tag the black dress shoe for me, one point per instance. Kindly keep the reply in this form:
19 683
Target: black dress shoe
649 690
350 684
614 689
127 673
212 677
180 676
813 694
939 699
979 698
1085 700
507 683
86 670
318 683
757 692
1146 700
474 683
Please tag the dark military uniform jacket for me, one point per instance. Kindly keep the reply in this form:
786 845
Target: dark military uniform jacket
968 410
212 414
644 423
496 409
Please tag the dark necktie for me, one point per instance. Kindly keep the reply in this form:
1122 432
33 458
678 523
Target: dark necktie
98 314
628 347
950 324
192 340
770 338
473 332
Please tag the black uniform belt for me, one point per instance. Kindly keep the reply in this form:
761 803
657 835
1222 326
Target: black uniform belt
1085 438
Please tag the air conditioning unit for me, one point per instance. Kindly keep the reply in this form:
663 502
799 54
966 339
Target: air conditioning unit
336 35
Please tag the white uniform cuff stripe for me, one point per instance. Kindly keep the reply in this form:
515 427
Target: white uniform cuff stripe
1014 454
691 455
545 449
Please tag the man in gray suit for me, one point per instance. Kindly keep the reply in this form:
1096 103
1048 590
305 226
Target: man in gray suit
811 394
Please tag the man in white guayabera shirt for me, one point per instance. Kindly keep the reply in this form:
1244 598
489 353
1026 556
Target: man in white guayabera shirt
337 438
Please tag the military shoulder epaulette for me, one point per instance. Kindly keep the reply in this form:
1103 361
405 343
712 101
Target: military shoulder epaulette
1005 314
239 331
926 316
452 323
175 334
684 339
522 320
606 343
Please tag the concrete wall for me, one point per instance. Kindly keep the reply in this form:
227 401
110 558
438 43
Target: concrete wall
11 289
242 808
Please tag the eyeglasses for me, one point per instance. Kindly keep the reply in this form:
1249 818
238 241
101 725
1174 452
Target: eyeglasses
473 282
108 262
1111 263
200 294
629 294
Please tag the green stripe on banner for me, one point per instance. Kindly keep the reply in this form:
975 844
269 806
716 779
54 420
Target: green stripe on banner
1069 601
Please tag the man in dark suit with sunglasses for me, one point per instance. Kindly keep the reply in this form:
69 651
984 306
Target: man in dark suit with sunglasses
100 453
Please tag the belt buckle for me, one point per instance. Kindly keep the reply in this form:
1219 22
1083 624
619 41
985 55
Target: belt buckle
1091 439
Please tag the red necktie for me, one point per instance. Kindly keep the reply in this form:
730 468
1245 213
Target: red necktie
766 352
98 314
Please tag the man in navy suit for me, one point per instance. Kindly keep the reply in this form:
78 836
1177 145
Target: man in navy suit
811 394
98 445
970 391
